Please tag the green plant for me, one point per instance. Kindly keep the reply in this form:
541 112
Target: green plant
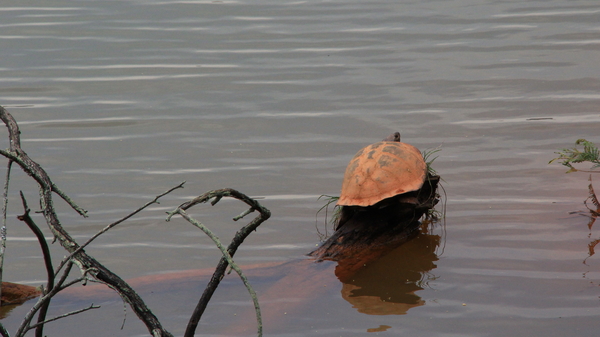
337 211
568 157
428 160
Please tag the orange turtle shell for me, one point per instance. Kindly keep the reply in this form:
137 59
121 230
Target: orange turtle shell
380 171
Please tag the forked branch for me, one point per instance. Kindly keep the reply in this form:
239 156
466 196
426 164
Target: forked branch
226 260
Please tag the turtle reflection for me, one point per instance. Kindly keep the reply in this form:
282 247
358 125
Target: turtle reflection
388 285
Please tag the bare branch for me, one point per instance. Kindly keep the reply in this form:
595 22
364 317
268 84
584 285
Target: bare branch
92 306
91 269
65 274
248 211
41 240
232 264
84 261
237 240
47 261
3 228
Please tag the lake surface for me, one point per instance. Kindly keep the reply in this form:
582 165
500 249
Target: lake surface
122 100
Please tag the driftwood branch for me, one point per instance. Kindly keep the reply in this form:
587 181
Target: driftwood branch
3 228
41 240
81 258
47 261
229 259
239 237
38 324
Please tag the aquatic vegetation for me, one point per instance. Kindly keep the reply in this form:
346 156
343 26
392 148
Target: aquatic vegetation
591 154
335 216
428 160
568 157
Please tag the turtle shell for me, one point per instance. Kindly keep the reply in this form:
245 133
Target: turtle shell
380 171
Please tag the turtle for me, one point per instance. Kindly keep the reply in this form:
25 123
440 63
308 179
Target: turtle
387 188
381 171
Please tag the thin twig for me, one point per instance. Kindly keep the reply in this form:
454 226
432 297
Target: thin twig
65 274
243 214
92 306
81 280
105 229
14 156
69 201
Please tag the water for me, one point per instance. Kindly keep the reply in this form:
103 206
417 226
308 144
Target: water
121 100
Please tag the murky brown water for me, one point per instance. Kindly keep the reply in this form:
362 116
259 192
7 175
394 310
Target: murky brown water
121 100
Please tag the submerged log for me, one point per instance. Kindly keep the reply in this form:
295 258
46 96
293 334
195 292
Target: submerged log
14 293
363 234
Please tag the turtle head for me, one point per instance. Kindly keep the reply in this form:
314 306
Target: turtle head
394 137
